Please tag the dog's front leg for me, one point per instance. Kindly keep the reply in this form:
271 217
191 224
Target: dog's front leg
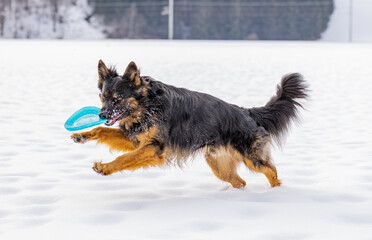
83 137
147 156
113 137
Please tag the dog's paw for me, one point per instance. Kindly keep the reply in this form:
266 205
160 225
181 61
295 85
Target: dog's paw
101 168
81 137
276 183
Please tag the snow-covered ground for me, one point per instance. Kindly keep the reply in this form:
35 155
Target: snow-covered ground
49 191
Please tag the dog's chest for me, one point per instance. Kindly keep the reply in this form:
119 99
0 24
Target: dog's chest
132 126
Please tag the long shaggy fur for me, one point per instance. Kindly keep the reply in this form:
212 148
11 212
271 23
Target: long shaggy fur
282 108
160 123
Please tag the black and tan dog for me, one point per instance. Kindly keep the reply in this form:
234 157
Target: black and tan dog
161 124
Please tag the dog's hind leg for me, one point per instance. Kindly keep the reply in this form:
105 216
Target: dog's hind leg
223 165
259 158
265 167
147 156
113 137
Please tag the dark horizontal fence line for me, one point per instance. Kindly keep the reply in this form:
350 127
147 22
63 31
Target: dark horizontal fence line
214 4
254 4
201 4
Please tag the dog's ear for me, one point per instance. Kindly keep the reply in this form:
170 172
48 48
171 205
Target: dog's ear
132 74
102 73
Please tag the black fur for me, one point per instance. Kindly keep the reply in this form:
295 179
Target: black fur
189 120
195 120
278 113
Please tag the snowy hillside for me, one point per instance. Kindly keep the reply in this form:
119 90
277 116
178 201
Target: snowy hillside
47 19
49 191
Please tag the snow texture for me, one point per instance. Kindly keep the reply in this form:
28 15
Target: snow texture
49 191
41 19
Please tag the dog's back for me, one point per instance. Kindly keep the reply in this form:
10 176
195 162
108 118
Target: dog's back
195 120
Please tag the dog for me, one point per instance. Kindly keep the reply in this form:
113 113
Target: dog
161 124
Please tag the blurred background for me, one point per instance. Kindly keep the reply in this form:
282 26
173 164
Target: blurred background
327 20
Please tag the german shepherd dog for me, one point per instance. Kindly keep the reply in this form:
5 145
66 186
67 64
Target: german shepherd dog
160 124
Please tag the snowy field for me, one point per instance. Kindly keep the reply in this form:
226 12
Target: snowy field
49 191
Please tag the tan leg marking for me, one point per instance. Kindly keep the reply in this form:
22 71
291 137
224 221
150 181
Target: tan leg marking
140 158
146 155
268 170
223 164
113 137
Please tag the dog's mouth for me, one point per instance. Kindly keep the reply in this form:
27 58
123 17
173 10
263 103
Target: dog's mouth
114 119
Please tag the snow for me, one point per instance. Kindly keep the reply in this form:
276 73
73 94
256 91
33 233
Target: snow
40 19
49 191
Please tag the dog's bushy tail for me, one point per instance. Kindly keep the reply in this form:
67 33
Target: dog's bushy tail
277 115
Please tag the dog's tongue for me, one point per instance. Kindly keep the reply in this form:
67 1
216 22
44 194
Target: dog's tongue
110 122
113 120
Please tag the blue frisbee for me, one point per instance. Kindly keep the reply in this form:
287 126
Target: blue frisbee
84 118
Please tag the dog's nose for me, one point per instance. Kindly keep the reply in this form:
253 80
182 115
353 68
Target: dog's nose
103 115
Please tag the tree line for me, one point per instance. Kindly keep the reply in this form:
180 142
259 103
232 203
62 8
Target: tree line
207 19
148 19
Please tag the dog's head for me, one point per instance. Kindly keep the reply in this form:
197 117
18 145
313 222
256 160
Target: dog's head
119 95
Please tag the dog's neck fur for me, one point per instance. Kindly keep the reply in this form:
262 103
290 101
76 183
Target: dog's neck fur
139 121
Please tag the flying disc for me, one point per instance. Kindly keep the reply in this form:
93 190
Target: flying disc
84 118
